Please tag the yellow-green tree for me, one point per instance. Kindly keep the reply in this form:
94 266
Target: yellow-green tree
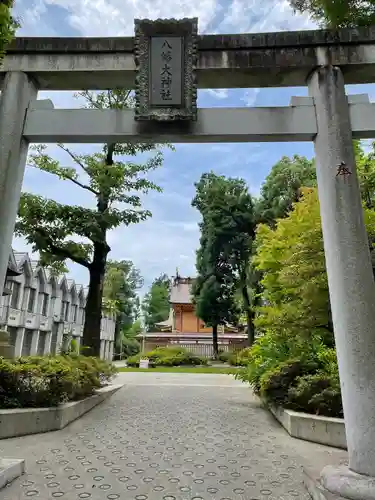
8 25
338 13
294 280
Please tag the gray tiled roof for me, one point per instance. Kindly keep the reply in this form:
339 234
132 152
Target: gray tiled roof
34 264
20 256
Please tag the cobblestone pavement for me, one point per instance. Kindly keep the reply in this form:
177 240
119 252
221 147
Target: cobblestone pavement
190 437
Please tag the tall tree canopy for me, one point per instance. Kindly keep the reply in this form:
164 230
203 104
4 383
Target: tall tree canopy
227 211
61 231
155 305
338 13
227 229
282 187
294 280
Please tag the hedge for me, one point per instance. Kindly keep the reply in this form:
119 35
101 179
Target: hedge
302 376
168 356
45 381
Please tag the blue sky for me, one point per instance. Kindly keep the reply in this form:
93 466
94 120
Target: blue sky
170 238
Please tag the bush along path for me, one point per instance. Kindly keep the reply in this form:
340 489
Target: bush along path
167 356
47 381
298 376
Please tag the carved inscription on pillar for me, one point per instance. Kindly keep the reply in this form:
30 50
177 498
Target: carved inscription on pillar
165 54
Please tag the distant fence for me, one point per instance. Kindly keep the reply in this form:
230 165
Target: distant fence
207 350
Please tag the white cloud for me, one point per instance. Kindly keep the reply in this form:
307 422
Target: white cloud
252 16
116 17
217 93
250 97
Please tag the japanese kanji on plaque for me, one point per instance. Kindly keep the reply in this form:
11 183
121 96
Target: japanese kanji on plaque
165 56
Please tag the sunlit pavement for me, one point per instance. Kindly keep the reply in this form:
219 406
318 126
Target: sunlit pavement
164 436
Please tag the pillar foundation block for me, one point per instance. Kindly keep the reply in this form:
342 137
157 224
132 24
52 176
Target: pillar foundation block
345 483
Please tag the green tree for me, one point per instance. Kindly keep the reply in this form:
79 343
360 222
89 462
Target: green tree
155 304
282 187
53 228
8 25
214 290
121 283
133 330
227 209
294 280
366 174
338 13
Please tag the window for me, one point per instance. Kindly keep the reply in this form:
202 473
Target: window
66 317
75 309
32 295
45 303
63 309
16 288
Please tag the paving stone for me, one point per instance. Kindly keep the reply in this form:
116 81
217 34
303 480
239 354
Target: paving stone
167 442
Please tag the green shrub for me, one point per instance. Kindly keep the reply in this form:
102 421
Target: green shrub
225 356
130 347
275 383
317 394
168 356
39 381
134 360
241 358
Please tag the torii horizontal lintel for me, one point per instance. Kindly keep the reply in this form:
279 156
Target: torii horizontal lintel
296 122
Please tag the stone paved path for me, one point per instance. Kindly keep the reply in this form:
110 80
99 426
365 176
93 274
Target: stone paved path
163 437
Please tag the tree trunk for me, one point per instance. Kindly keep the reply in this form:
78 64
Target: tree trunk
249 316
93 310
215 342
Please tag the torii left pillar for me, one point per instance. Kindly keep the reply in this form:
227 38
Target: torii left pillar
17 94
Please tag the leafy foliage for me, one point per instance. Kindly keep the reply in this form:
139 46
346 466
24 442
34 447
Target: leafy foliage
121 282
338 13
282 187
155 304
50 380
168 356
240 358
291 259
227 229
130 347
8 25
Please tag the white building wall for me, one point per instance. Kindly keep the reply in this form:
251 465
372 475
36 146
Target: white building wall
38 333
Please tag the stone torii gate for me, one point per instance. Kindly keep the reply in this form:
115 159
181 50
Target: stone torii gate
321 60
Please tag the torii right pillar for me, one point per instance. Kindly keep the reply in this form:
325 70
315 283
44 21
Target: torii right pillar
351 282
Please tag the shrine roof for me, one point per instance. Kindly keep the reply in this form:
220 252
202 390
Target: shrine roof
181 294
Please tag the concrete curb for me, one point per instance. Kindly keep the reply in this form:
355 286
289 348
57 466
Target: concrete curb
25 421
10 469
315 428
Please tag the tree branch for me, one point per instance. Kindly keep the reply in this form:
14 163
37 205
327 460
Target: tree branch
62 252
74 157
69 178
83 186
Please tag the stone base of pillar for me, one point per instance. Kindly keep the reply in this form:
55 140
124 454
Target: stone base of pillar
343 482
339 483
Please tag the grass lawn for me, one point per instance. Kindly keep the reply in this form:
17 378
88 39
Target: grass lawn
181 369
